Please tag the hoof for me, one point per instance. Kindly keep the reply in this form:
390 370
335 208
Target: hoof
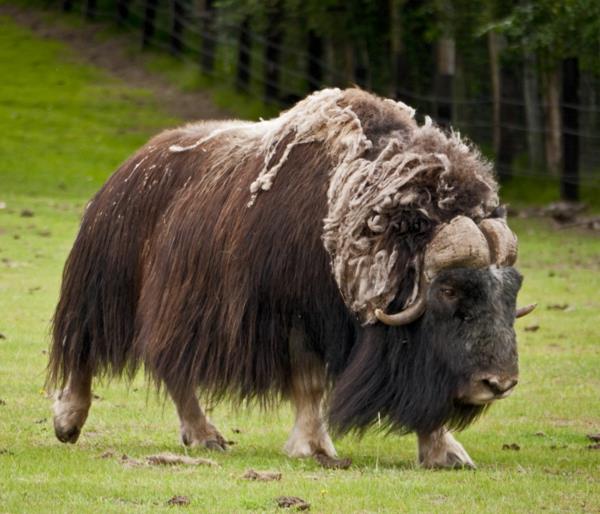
208 437
69 418
218 446
445 453
301 445
69 435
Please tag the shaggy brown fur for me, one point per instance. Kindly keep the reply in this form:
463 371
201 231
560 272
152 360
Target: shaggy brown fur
204 248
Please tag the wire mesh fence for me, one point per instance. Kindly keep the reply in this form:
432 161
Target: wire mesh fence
280 65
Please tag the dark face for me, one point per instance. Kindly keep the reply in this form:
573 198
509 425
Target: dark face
469 323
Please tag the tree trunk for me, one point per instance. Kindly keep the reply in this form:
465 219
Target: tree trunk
315 60
208 43
494 47
461 112
149 17
348 63
176 35
553 121
274 38
509 119
362 75
90 9
242 78
531 93
333 75
445 59
569 183
122 11
398 63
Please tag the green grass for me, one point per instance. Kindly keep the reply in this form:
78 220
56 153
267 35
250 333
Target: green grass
63 128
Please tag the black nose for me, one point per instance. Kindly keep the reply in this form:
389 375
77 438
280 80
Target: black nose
500 385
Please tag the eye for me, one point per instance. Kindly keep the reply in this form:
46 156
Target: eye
448 292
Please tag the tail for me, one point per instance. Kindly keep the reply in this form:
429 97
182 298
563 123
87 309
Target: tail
93 324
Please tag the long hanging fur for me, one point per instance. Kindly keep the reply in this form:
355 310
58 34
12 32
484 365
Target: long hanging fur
202 250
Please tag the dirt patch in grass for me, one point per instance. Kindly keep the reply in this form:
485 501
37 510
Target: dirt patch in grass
179 500
162 459
294 502
113 55
262 476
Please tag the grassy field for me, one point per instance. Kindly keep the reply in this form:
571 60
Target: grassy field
63 128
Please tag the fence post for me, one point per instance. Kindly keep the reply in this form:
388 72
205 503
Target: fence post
315 60
176 36
569 180
274 37
122 11
208 35
444 79
90 9
149 16
510 94
242 78
397 61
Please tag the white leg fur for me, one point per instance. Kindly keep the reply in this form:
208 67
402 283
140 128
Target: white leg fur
309 435
439 449
71 408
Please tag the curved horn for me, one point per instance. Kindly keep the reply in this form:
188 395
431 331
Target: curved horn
501 240
523 311
411 313
458 243
408 315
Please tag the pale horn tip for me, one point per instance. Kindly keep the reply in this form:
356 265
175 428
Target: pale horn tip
523 311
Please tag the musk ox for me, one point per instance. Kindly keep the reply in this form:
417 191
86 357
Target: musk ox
339 251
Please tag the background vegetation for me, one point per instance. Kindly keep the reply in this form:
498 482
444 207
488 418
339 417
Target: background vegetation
520 77
64 127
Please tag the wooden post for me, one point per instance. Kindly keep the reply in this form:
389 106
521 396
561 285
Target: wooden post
208 37
242 78
315 59
533 113
494 47
149 17
569 181
176 35
90 9
362 75
509 118
274 37
444 80
553 119
122 11
398 64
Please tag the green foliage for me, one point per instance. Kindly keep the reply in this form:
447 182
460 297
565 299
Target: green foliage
556 29
61 122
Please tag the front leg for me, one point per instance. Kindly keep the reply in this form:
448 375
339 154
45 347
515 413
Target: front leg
439 449
309 435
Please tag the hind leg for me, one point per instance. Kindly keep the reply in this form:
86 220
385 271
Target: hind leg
309 435
196 430
71 406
